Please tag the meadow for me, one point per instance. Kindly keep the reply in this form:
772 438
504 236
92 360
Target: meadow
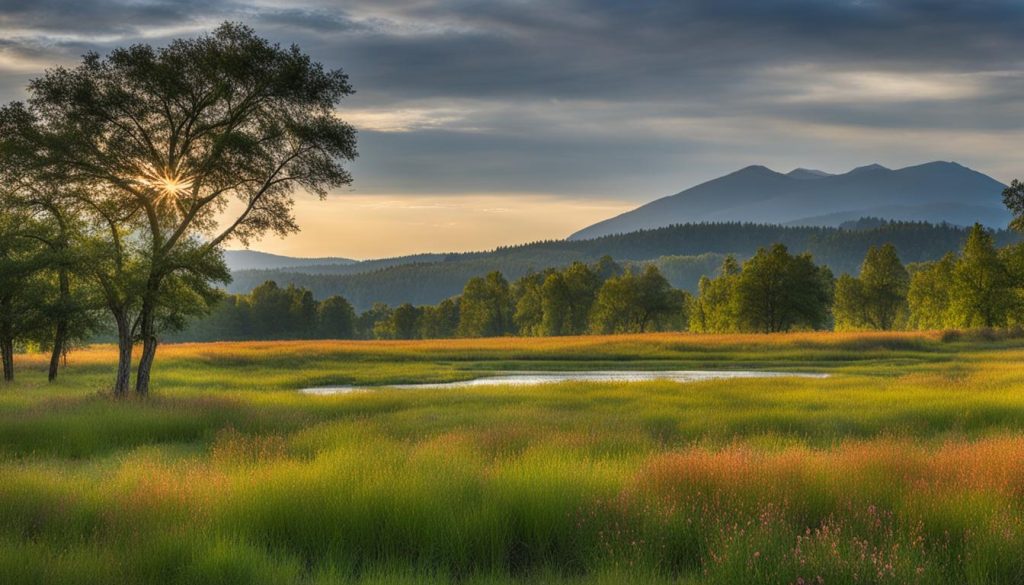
906 465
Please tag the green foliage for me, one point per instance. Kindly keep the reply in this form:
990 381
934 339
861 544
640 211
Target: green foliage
405 322
982 293
635 303
485 308
560 302
151 145
930 294
715 308
877 299
556 303
773 291
684 253
777 291
440 321
1013 198
980 288
22 291
529 303
373 320
336 318
581 285
272 312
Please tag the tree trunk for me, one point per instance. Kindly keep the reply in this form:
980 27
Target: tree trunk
145 366
60 336
59 339
124 355
149 343
7 351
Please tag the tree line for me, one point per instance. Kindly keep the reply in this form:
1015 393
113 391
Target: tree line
773 291
684 254
123 177
601 297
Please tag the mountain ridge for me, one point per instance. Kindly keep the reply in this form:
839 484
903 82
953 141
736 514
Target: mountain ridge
938 191
256 260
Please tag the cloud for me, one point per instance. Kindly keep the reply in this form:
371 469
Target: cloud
410 119
608 99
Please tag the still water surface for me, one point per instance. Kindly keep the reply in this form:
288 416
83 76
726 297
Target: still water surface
535 378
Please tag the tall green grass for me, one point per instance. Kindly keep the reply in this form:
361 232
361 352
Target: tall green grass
905 466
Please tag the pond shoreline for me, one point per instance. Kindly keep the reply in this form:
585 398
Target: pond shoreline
549 377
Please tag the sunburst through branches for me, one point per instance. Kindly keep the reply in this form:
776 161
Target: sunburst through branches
168 184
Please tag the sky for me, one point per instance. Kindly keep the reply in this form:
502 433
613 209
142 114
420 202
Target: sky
492 122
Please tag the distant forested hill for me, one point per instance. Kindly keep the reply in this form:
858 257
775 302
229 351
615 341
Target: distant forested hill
683 252
253 260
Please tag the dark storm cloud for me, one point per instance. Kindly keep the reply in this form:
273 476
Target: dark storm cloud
610 96
614 48
96 17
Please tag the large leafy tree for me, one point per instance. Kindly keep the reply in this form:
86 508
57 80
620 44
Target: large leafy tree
930 293
485 308
983 291
877 298
556 305
336 318
22 259
636 303
440 321
405 321
187 147
528 300
581 285
777 291
47 212
715 307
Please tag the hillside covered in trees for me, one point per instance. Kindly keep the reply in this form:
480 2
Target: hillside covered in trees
773 291
684 253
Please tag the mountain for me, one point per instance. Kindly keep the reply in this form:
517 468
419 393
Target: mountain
253 260
936 192
807 174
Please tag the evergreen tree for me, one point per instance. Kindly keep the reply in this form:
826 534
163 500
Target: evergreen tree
983 292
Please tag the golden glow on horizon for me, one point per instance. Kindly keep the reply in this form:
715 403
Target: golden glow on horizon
379 226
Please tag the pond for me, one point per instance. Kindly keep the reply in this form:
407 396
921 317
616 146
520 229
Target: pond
535 378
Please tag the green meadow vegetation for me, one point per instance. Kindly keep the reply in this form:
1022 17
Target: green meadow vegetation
906 465
122 179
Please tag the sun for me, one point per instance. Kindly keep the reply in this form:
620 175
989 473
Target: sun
167 183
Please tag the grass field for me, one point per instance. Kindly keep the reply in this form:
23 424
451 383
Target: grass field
905 466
